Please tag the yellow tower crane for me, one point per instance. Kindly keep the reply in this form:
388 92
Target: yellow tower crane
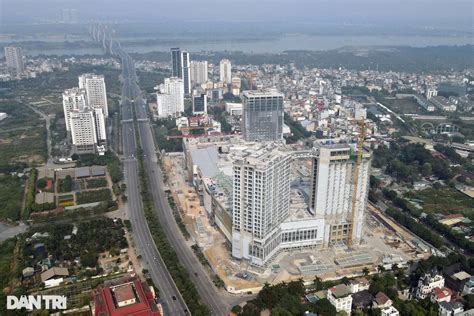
360 144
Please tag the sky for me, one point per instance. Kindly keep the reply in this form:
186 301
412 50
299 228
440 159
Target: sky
393 13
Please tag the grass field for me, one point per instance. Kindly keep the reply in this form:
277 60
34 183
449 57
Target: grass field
404 106
445 201
22 134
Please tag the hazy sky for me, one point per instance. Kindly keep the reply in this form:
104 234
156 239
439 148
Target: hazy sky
441 13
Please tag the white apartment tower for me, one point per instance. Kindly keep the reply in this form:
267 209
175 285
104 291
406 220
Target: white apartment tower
199 72
73 99
83 131
94 85
261 197
332 190
225 71
14 58
170 97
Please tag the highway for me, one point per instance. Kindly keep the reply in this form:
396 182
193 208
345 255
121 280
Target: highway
170 298
208 292
219 302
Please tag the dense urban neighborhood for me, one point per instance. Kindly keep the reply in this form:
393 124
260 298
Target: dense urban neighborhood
195 182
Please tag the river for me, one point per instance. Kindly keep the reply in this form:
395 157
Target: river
274 45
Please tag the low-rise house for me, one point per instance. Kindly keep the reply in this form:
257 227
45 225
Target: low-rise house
358 284
54 276
450 308
389 311
381 301
427 283
362 299
28 272
441 295
340 297
469 286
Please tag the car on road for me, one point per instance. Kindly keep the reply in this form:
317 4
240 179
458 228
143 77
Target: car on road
174 298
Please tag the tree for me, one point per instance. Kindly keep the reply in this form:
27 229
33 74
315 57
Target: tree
365 271
236 309
426 170
89 260
41 183
324 307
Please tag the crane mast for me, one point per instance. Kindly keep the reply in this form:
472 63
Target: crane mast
360 144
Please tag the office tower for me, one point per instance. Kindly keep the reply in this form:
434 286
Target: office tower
186 76
332 190
170 97
96 93
262 115
199 72
83 130
225 71
236 84
73 99
180 67
14 58
261 200
200 104
176 65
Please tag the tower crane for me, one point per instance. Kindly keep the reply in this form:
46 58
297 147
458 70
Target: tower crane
360 144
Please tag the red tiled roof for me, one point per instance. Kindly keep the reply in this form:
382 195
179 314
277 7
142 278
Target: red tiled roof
442 293
381 298
105 304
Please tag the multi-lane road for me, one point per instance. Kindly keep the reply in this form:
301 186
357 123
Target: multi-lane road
219 302
170 298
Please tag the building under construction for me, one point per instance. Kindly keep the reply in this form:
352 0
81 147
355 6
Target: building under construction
265 201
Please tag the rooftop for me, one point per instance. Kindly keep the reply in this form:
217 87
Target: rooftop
339 291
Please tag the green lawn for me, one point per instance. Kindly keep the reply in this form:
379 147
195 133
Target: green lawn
445 201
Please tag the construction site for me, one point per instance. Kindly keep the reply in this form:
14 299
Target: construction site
201 181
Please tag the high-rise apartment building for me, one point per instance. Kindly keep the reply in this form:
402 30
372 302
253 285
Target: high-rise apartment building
88 130
225 71
262 118
83 130
14 58
180 68
200 103
261 200
170 97
73 99
94 85
333 189
199 72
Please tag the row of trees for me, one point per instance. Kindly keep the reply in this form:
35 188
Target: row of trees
30 193
418 229
179 274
